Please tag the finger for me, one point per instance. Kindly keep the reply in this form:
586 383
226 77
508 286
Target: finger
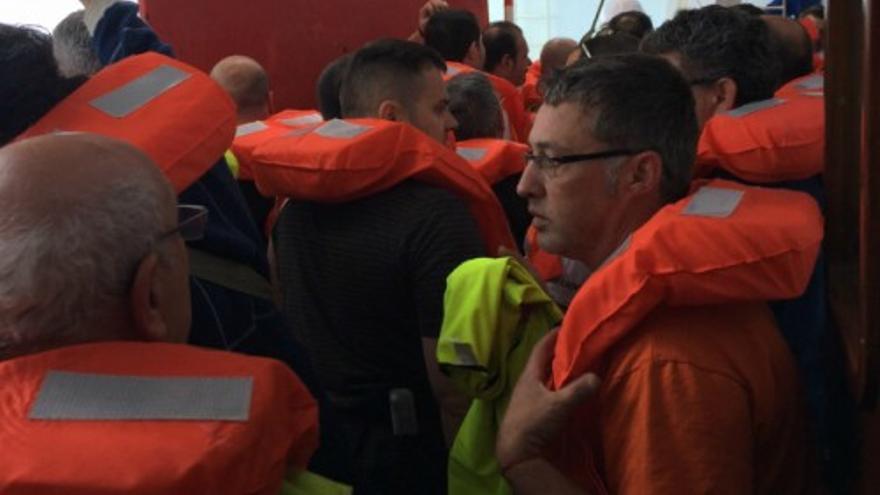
577 391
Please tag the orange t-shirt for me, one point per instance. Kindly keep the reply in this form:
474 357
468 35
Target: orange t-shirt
702 400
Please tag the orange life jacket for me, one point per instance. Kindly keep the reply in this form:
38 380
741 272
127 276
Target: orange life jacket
725 243
767 141
151 418
171 111
809 85
248 137
811 29
531 95
509 97
343 160
494 159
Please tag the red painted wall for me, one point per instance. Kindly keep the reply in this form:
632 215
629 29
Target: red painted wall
293 39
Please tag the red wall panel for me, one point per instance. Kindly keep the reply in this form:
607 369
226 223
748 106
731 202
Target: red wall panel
293 39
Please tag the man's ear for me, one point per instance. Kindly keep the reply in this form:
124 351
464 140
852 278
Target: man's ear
724 94
644 173
507 63
149 324
473 57
391 110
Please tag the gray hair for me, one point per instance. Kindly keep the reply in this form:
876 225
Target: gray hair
72 46
65 266
475 106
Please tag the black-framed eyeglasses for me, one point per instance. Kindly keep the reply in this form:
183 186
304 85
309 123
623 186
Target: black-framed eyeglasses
544 162
191 223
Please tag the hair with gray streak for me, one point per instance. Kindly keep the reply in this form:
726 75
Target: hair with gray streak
637 102
476 108
72 47
62 267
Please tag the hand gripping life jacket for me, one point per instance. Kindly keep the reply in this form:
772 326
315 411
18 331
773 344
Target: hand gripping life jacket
494 159
767 141
344 160
509 97
725 243
809 85
171 111
248 137
151 418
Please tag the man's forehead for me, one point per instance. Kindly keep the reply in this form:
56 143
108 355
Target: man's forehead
567 126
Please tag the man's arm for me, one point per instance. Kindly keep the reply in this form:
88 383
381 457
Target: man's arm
670 425
534 420
428 9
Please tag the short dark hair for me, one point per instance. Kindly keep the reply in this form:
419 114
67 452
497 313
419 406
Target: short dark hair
715 42
31 84
451 33
638 102
385 69
607 42
500 40
631 22
747 8
793 47
473 103
329 87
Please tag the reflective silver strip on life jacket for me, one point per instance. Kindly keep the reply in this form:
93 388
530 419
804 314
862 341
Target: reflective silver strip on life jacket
713 202
472 154
250 128
302 131
816 81
755 106
97 397
130 97
341 129
314 118
465 356
451 71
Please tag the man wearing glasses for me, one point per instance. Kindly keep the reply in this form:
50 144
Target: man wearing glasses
95 375
685 399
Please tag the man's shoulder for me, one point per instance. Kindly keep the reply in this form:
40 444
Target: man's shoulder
734 340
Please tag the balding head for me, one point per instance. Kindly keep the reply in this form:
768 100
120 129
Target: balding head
247 83
80 222
793 45
555 53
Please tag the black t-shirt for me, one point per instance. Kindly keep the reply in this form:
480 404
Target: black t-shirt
364 280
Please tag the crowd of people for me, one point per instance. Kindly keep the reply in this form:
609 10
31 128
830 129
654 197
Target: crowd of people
463 272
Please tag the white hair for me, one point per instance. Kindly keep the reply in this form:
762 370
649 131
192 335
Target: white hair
72 47
64 266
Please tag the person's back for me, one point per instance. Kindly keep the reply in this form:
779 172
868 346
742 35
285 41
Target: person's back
224 317
363 283
476 108
730 363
